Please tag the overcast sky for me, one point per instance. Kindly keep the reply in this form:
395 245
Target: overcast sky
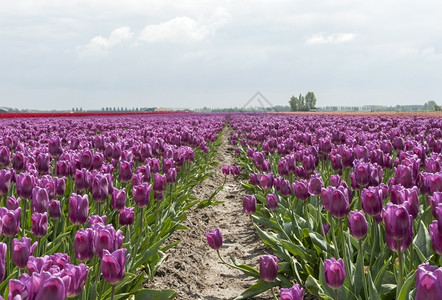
187 53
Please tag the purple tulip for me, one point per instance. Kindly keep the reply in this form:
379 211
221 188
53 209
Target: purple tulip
5 157
225 170
97 160
54 209
249 204
39 224
159 182
358 224
82 180
125 171
118 199
51 287
300 189
338 205
272 201
3 249
436 237
266 181
397 221
326 228
78 209
12 203
106 238
171 175
54 147
403 243
84 244
21 250
141 194
334 272
18 161
214 238
43 163
60 186
62 168
40 200
371 199
25 184
315 184
361 174
5 181
293 293
268 267
127 216
434 182
99 188
78 275
283 167
428 282
10 221
113 265
38 264
253 178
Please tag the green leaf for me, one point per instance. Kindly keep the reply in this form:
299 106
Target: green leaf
404 294
379 280
155 294
314 287
256 289
143 258
422 240
300 251
374 294
358 280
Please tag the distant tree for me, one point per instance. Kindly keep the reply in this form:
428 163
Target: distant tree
294 104
310 100
303 103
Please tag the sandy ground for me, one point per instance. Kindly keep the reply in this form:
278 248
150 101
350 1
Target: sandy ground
192 268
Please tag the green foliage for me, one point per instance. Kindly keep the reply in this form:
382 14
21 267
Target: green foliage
303 103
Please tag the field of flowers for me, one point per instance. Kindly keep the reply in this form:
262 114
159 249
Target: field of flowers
350 206
87 204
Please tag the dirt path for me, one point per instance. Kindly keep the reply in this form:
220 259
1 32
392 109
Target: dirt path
192 268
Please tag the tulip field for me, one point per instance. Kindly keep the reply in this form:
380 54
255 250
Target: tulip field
348 207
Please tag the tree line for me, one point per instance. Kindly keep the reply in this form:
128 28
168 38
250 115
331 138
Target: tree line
303 103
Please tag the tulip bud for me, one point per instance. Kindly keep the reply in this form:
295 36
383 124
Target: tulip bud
371 199
268 267
266 181
125 171
118 199
293 293
428 282
225 170
21 250
5 181
272 201
249 204
10 221
300 189
12 203
397 221
113 265
338 205
25 184
84 244
315 184
358 224
78 209
141 194
334 272
214 238
40 200
39 224
159 182
18 161
127 216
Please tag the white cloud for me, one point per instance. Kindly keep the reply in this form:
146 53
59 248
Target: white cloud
176 30
100 44
335 38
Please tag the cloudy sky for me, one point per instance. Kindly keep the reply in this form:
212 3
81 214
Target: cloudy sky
190 53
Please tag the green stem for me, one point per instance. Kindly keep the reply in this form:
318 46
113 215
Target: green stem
273 293
336 294
319 216
55 229
346 262
364 282
332 227
9 252
374 233
113 291
400 277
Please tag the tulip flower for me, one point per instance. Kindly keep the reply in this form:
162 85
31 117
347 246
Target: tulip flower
21 250
3 249
118 199
266 181
334 272
225 170
54 209
397 221
338 205
272 201
113 266
18 161
10 221
12 203
293 293
99 188
300 189
40 200
371 199
249 204
436 237
268 267
214 238
43 163
106 238
141 194
127 216
171 175
84 244
82 180
253 178
125 171
78 209
315 184
5 181
358 224
39 224
51 287
428 282
78 275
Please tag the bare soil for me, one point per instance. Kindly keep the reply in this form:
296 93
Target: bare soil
192 268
